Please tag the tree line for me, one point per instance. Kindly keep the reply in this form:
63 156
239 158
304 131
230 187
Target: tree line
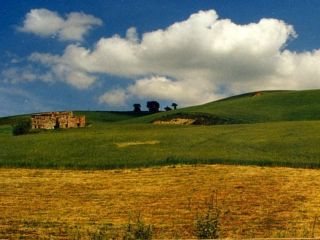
153 107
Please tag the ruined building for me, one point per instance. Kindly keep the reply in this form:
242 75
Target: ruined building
53 120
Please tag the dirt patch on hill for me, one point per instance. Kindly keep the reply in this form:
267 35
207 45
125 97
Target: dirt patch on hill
195 119
127 144
178 121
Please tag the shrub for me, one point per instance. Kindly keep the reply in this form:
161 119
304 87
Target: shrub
21 127
207 225
139 230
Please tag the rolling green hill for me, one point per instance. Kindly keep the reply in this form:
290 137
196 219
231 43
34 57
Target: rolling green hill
109 116
269 106
281 136
13 119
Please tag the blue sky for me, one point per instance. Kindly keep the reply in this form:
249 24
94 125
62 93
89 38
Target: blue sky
107 55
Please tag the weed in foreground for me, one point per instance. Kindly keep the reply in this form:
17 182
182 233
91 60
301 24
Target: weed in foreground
138 230
207 225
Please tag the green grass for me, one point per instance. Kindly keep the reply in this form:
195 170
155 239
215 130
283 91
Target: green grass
13 119
108 117
292 144
269 107
283 131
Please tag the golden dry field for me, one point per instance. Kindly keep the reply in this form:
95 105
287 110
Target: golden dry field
66 204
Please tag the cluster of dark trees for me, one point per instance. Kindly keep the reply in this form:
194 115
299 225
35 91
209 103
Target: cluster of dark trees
153 107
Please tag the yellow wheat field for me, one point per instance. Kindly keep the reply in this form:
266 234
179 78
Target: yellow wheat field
65 204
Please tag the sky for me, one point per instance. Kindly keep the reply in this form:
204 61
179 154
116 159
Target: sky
109 54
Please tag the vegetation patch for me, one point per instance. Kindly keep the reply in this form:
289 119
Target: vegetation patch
207 225
21 127
138 230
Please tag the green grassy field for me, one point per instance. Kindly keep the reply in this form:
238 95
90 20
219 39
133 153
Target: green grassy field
274 137
109 117
293 144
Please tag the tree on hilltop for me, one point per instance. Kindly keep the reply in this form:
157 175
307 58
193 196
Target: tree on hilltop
137 107
153 106
174 105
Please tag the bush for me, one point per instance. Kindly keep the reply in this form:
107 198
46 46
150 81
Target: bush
207 224
21 127
139 230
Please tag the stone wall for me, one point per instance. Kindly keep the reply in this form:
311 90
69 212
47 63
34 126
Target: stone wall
53 120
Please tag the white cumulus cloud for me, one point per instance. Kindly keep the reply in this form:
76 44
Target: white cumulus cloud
61 70
163 88
191 62
25 74
46 23
116 97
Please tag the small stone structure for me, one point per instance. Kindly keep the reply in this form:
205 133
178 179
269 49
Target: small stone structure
53 120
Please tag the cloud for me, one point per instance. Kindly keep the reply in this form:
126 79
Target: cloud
132 35
114 98
46 23
24 74
162 88
191 62
52 70
61 70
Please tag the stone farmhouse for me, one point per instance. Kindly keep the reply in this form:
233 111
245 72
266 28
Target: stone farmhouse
53 120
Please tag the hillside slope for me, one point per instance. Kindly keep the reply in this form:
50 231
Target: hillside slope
267 106
91 116
114 141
